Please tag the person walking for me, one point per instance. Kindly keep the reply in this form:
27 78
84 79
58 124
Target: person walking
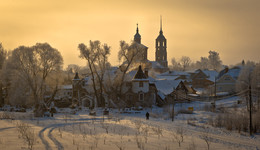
147 115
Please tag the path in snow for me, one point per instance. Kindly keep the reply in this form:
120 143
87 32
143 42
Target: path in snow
51 138
1 129
55 141
44 141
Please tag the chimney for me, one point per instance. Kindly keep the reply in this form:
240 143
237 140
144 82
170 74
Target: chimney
146 72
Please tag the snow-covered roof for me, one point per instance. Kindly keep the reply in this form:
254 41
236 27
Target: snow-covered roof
166 86
234 72
162 96
211 74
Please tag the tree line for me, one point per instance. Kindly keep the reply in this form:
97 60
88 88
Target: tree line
212 62
31 72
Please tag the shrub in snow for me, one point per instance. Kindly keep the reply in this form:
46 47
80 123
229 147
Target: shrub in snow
228 121
178 135
27 134
232 120
6 115
105 126
145 132
138 125
120 145
158 130
256 122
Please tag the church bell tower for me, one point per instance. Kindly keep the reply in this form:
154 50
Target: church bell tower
161 46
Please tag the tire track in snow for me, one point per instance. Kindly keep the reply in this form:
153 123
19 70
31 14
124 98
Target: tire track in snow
1 129
44 141
52 138
55 141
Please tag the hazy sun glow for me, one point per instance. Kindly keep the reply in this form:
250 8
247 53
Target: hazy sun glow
192 28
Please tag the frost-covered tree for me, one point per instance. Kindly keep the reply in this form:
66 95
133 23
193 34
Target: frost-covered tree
244 81
175 65
96 55
256 84
73 68
129 55
33 65
214 60
203 63
3 54
185 62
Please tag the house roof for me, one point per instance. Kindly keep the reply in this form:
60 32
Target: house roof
166 86
198 75
140 74
233 72
212 74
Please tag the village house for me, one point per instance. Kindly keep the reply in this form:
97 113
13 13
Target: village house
183 92
141 91
226 80
202 79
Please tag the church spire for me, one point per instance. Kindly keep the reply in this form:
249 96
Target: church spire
161 25
137 30
161 22
137 37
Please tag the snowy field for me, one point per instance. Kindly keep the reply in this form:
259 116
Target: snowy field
123 131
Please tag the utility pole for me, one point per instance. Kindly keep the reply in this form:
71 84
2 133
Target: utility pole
250 110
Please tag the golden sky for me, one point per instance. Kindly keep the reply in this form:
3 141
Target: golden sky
192 27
